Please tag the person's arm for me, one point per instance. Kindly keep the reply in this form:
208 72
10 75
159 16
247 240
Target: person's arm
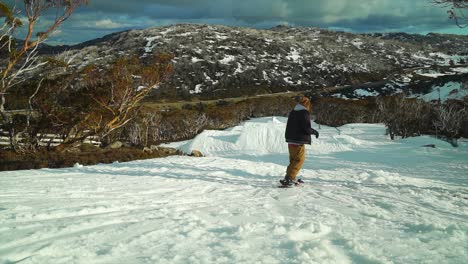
308 127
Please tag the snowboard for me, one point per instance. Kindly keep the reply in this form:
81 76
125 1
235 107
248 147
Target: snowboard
297 183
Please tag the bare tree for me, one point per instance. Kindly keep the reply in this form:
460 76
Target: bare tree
145 130
405 117
19 59
194 124
449 120
456 10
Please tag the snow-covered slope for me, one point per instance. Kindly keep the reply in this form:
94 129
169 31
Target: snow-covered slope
366 200
425 83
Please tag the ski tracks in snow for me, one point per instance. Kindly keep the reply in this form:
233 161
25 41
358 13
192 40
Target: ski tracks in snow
173 211
356 207
163 213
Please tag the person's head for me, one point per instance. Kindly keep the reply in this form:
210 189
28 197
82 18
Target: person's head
304 100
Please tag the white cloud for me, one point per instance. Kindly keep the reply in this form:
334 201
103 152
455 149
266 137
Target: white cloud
109 24
107 16
95 21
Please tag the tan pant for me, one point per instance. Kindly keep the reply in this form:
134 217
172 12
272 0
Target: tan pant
296 160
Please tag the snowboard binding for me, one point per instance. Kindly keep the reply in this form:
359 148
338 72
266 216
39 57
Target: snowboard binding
286 182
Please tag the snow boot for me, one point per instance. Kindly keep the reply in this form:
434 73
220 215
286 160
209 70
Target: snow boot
286 181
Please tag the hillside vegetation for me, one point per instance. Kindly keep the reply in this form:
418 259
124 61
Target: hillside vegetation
146 87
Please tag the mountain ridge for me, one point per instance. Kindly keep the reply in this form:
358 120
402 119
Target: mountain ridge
217 61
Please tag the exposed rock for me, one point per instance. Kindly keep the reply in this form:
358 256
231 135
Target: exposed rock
196 153
429 146
154 147
147 150
115 145
169 151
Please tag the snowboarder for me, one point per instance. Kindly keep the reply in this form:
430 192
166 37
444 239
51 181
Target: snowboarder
298 131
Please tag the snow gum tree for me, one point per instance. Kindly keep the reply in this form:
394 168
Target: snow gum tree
449 120
109 98
19 58
408 117
403 116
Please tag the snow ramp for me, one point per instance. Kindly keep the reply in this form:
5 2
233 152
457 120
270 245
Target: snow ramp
259 137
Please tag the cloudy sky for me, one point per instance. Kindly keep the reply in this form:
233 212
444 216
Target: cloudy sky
102 17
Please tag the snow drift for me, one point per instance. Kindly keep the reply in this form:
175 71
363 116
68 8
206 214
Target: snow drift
257 137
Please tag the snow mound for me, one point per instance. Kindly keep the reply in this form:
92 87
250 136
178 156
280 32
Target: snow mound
263 138
350 140
211 141
260 136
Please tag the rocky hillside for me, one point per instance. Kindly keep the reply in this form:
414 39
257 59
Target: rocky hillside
217 61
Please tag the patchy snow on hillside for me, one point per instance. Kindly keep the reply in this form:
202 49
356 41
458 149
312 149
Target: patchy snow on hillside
294 55
451 90
239 69
357 43
339 95
149 43
433 73
366 199
198 89
195 60
227 59
445 59
365 93
460 69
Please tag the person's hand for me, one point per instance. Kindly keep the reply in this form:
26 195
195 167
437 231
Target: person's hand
316 133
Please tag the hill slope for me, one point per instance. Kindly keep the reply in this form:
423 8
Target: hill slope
366 200
230 61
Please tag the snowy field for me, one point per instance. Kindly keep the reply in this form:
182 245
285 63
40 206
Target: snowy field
366 200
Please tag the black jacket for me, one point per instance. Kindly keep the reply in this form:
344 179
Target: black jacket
298 129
